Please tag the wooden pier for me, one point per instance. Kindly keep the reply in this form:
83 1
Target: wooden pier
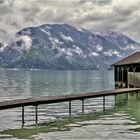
63 98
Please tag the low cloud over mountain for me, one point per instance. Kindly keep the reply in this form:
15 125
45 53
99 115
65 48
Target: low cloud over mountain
61 46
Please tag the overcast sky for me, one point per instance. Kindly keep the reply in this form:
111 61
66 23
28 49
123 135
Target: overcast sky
118 15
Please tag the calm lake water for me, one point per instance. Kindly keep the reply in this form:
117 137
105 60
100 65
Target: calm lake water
24 84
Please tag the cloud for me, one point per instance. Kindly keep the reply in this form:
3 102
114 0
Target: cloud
27 41
96 2
118 15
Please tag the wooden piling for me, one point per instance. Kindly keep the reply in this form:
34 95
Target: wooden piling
36 114
103 103
23 116
70 108
82 106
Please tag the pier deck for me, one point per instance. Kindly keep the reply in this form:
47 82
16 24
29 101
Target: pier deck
62 98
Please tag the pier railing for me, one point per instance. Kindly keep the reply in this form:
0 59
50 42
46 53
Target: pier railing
63 98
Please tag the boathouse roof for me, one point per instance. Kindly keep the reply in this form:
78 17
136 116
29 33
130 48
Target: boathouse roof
131 59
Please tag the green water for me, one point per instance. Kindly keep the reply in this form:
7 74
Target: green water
127 107
24 84
129 104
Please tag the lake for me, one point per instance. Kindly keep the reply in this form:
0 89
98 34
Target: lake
24 84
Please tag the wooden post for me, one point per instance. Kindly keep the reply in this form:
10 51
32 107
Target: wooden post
103 103
122 68
134 69
82 106
127 69
23 116
36 114
117 78
134 79
70 108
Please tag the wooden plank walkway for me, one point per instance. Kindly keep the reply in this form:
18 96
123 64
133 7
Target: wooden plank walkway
63 98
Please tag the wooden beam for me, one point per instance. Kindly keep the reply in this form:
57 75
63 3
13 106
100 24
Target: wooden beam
63 98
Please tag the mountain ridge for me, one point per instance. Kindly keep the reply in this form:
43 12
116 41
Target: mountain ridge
62 46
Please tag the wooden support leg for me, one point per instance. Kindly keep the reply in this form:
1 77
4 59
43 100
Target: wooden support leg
103 103
36 114
23 116
83 106
69 108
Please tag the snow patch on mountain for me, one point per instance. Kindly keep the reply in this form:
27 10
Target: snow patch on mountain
61 46
67 52
56 44
46 32
99 48
133 47
48 27
94 54
81 29
112 52
77 50
66 38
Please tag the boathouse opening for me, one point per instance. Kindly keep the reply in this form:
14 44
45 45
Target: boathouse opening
127 71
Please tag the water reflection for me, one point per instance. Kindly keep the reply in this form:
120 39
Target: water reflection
19 84
129 104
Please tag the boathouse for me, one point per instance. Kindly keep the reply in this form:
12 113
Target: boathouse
127 71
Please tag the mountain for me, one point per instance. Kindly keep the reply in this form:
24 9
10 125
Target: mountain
61 46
